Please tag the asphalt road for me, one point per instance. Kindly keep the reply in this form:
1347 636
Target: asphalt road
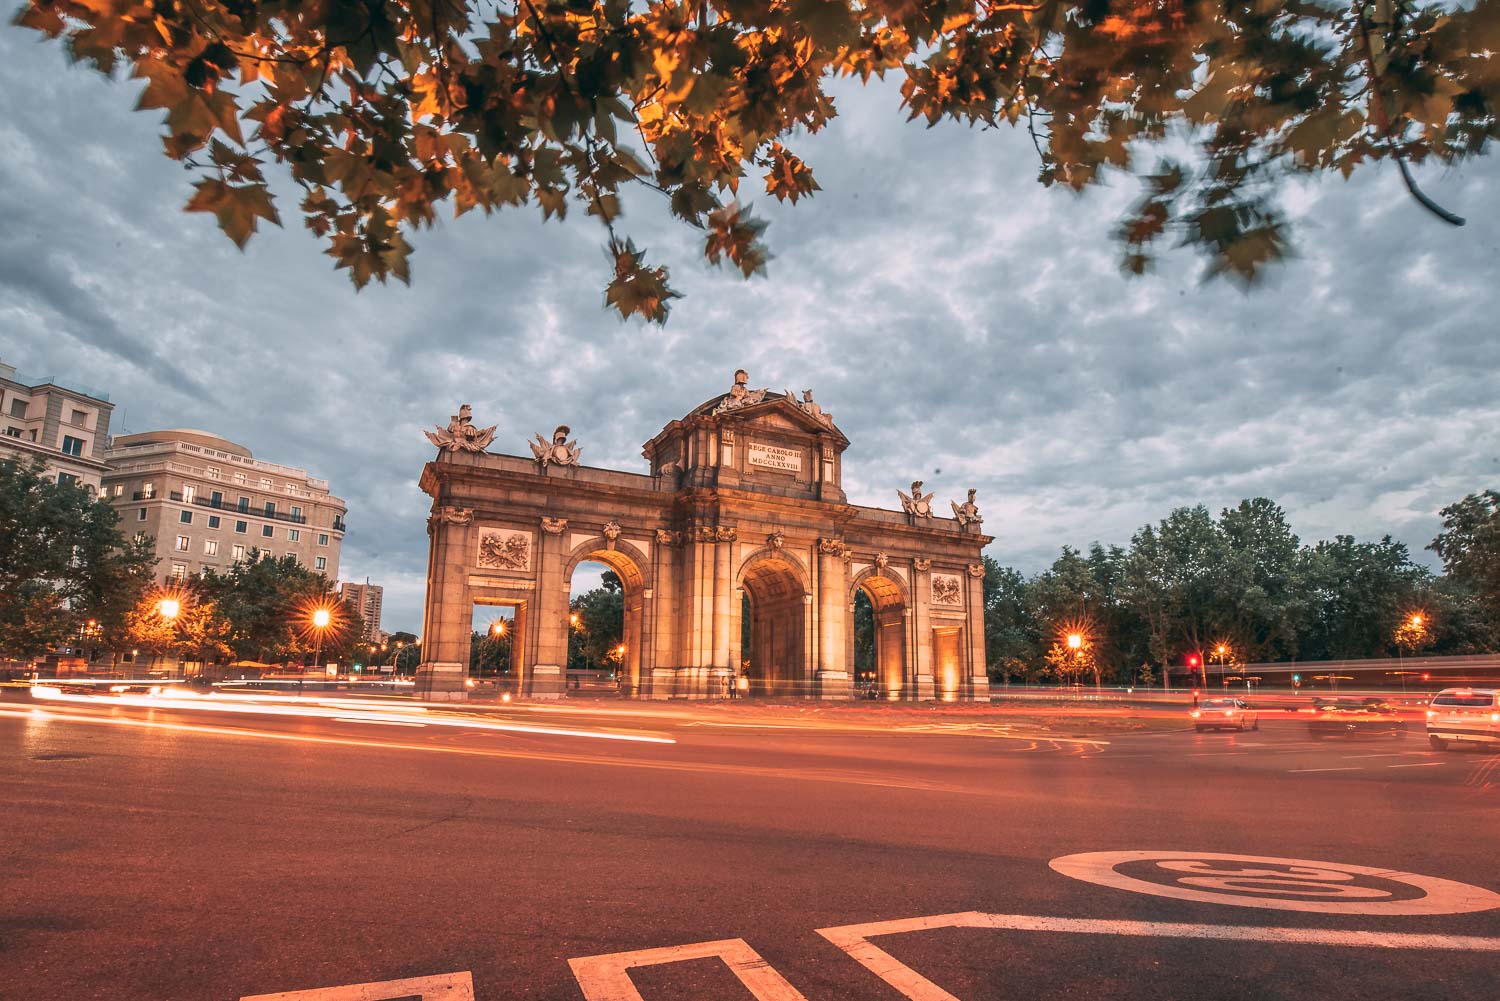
185 853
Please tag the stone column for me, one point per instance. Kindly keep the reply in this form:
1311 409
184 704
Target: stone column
445 629
548 671
919 622
978 687
834 678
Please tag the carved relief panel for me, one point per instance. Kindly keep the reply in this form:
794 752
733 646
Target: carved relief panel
503 549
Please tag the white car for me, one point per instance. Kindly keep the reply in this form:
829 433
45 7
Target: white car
1464 716
1225 714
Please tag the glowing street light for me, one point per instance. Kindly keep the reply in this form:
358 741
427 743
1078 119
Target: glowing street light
169 608
320 620
1075 641
1222 653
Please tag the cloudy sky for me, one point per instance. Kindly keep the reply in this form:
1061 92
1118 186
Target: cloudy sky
964 326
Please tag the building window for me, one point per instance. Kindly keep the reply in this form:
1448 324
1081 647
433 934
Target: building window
266 484
292 535
216 499
322 539
238 552
322 563
179 573
185 517
292 557
210 547
291 488
265 531
79 417
240 527
119 489
184 543
140 514
244 504
71 445
270 509
18 409
296 511
66 479
212 472
239 477
213 521
140 536
189 492
148 491
12 432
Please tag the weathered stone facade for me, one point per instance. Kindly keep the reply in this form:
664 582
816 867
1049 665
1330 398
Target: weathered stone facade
743 501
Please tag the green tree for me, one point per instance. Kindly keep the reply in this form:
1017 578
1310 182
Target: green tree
490 651
1357 594
381 112
1469 546
269 604
1261 605
1170 582
63 561
198 631
1012 644
600 628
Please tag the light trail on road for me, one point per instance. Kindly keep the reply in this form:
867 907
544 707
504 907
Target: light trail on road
336 709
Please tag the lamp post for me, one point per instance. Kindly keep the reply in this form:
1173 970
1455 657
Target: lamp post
1075 643
320 620
1222 651
169 609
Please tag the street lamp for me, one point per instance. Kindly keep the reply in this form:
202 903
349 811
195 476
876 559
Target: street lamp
1075 643
169 609
320 620
1222 651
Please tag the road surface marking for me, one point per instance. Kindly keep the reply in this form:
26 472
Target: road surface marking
1386 754
607 977
854 940
444 987
1341 768
1418 764
1318 887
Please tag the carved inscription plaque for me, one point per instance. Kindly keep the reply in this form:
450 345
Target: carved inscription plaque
787 460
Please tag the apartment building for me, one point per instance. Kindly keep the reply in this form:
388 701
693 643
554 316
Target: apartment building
209 503
68 428
367 598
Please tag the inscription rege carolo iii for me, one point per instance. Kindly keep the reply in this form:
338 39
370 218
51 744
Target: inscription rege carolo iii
772 457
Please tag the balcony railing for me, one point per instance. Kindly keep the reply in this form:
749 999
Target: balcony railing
254 512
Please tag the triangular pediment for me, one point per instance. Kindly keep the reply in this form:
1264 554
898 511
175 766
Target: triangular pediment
782 414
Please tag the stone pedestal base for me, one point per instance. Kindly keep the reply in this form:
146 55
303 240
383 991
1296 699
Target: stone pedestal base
979 690
924 690
835 685
439 681
663 681
546 682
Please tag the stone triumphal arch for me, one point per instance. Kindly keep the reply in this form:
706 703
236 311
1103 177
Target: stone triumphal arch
740 531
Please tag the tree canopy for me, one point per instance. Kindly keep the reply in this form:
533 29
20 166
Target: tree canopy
1191 582
63 562
383 110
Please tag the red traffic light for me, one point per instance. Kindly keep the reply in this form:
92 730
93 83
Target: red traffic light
1426 676
1192 660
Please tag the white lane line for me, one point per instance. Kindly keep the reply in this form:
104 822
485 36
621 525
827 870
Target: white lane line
375 722
607 977
444 987
1343 768
1418 764
854 940
1389 754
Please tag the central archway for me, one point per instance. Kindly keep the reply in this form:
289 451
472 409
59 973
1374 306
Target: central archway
776 600
629 565
888 603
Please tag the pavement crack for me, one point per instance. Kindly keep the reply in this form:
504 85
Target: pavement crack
456 814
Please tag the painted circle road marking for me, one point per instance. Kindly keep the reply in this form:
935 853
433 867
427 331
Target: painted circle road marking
1278 884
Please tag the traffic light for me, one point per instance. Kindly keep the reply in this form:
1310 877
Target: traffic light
1192 660
1426 676
1296 679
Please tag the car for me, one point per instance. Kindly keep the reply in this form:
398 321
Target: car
1464 716
1225 714
1349 717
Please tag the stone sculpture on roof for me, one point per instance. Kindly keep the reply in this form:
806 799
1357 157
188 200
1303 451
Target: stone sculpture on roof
461 435
740 395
